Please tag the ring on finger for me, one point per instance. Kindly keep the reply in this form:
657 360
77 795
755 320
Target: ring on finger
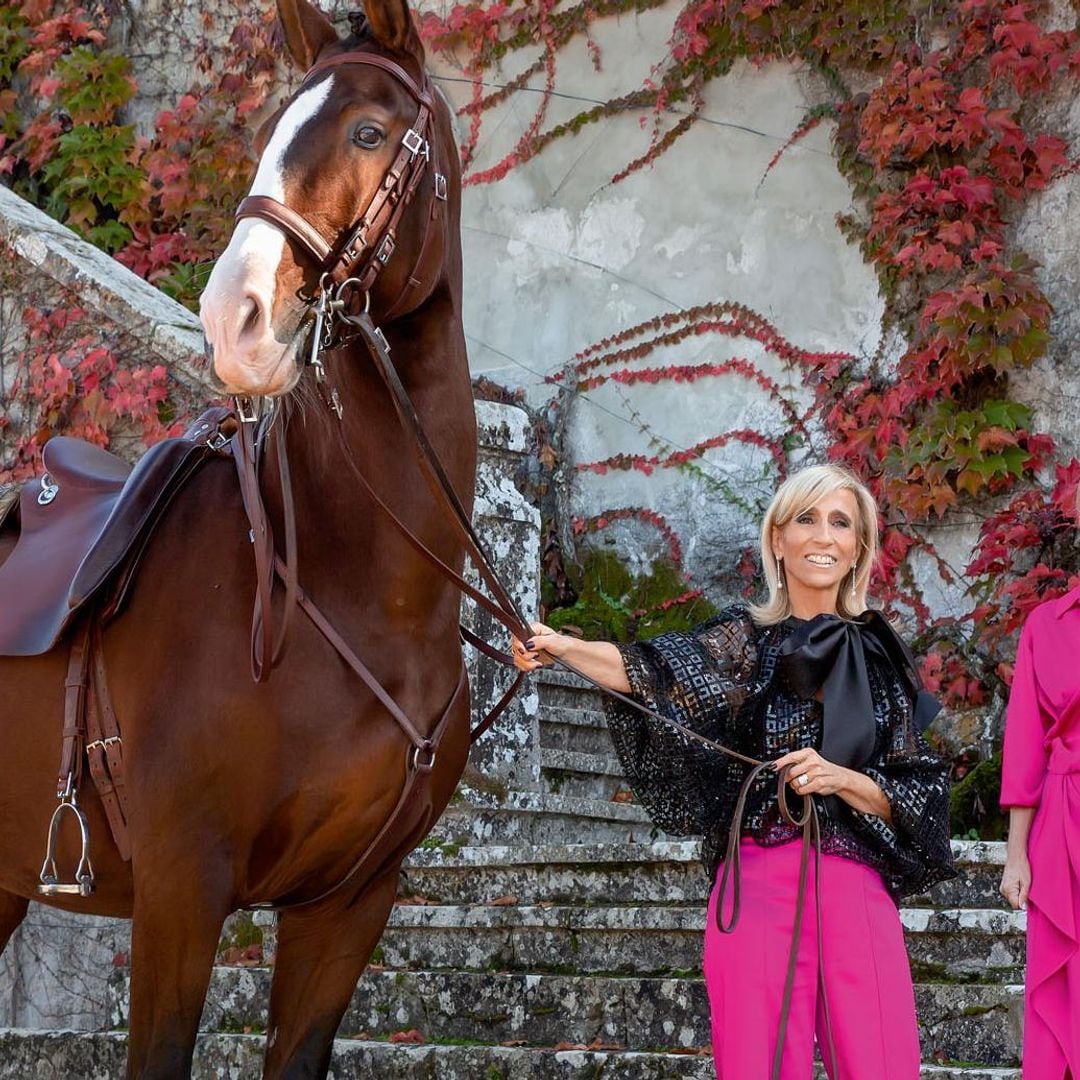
802 780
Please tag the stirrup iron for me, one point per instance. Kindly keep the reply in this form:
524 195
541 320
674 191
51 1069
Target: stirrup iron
83 885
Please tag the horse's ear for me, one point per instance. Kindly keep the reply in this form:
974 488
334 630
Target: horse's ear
307 30
391 25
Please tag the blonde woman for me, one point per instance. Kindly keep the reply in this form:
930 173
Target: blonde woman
824 689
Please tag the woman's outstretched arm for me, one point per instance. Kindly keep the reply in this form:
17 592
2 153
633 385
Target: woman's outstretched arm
600 660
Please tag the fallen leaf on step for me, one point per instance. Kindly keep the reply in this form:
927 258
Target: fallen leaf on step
623 795
410 1036
598 1044
503 901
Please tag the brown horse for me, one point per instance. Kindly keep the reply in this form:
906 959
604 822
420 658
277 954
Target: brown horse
240 792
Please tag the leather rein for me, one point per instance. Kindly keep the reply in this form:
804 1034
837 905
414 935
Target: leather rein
355 262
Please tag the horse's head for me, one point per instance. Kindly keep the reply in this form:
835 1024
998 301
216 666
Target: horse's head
328 155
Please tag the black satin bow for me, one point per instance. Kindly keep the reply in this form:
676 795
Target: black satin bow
828 653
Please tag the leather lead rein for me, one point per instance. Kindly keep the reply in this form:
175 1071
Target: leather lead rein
358 259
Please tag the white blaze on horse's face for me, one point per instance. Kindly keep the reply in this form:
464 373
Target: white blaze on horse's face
254 338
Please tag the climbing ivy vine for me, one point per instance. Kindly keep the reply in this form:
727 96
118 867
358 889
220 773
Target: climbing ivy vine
161 203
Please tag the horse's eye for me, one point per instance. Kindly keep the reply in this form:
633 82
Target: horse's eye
367 136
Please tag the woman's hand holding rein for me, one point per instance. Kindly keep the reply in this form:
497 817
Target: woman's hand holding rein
811 774
600 660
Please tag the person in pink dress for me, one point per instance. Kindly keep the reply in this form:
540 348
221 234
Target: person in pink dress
1040 787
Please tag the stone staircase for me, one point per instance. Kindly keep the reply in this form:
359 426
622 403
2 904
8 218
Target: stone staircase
519 951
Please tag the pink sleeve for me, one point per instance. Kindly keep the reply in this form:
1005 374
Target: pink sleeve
1023 766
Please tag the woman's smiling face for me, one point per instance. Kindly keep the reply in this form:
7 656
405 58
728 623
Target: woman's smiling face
818 548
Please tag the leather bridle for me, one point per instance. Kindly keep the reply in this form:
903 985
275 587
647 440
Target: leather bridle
355 260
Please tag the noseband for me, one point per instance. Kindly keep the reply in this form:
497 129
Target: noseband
357 259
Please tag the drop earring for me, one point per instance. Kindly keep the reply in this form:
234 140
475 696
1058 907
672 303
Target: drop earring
779 574
854 567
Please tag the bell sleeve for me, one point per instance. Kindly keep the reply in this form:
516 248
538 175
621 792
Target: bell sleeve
915 848
699 679
1025 758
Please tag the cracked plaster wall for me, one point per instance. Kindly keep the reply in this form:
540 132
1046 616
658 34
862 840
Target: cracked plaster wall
576 259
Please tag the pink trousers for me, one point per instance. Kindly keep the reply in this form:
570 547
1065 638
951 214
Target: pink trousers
867 976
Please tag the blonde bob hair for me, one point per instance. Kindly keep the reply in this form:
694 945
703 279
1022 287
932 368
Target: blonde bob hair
797 494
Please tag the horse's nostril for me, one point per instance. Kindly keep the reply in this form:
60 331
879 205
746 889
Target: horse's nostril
251 316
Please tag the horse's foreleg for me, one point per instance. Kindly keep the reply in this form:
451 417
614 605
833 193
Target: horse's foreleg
175 931
321 953
12 912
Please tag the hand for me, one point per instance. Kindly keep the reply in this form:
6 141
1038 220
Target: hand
822 777
541 649
1016 881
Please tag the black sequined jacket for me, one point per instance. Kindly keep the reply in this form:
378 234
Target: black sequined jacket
723 680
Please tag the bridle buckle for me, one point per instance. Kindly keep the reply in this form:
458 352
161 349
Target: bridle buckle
415 143
440 187
386 249
246 410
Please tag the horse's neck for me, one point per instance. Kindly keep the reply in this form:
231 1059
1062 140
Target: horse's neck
337 524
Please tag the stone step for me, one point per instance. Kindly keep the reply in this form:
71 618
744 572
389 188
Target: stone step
581 730
972 945
561 690
977 1023
524 818
661 872
979 864
583 776
100 1056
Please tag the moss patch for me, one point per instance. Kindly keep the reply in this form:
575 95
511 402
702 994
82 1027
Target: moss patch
974 803
614 605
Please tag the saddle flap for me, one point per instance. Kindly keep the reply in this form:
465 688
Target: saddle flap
59 513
